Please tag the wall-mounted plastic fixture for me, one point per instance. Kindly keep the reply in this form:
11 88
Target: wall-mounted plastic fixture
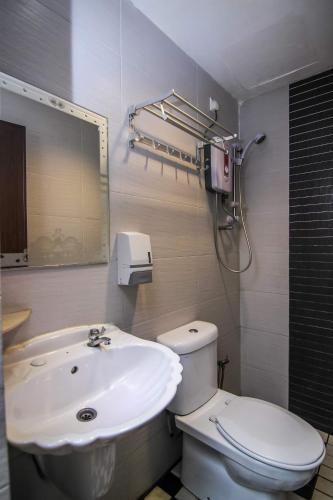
213 104
135 259
218 170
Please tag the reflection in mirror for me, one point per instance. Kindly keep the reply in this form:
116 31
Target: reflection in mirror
53 180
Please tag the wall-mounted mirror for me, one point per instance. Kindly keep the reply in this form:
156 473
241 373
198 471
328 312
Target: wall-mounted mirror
53 180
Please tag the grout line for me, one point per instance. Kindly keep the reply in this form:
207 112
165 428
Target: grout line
272 292
298 85
310 98
326 479
153 198
328 466
309 132
323 492
308 107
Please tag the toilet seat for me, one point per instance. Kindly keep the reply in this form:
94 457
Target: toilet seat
270 434
208 453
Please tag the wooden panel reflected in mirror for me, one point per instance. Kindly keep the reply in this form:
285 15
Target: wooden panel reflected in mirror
13 214
54 180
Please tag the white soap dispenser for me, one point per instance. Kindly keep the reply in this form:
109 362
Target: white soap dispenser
135 260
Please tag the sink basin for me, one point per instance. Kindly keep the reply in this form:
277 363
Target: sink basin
51 378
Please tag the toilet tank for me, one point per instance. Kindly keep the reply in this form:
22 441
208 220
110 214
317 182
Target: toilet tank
196 344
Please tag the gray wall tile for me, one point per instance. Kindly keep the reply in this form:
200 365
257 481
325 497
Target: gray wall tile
265 311
96 22
265 384
268 230
36 45
229 348
160 219
163 62
5 493
4 478
268 273
267 351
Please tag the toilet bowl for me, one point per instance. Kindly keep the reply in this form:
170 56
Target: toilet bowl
213 464
234 447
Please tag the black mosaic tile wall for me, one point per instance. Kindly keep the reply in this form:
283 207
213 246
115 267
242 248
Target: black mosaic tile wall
311 250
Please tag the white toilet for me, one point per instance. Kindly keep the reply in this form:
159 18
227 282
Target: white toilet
234 448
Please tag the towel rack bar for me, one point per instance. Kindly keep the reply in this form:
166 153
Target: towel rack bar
198 110
167 108
182 126
207 128
172 93
149 102
176 153
174 117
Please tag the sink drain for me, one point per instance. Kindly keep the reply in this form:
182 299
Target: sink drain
86 414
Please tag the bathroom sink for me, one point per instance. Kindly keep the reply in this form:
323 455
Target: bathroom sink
63 396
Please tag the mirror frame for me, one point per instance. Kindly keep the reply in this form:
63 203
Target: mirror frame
24 89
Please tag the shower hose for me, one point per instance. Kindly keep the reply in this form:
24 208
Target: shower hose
216 230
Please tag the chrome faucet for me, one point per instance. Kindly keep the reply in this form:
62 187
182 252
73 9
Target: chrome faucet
96 337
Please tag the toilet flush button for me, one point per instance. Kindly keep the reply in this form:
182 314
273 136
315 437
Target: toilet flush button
38 362
193 330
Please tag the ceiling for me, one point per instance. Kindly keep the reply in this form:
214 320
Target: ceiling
249 46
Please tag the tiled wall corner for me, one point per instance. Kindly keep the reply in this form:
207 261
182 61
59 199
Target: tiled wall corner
264 300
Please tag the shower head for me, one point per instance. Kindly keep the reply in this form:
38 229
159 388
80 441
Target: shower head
259 138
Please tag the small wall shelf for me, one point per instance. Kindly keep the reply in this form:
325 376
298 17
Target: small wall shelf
13 320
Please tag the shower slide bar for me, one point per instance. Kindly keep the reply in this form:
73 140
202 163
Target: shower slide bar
168 111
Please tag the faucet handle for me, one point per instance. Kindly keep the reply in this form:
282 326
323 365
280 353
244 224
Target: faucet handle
94 333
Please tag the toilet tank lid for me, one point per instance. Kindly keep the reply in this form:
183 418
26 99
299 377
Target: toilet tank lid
190 337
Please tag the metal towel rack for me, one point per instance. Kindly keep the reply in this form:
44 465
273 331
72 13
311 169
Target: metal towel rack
166 109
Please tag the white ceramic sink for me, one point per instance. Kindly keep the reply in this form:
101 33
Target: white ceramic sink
50 378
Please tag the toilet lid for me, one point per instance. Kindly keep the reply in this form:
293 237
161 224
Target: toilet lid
269 433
